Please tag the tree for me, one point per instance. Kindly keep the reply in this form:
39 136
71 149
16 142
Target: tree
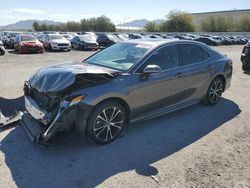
178 21
35 26
244 24
152 27
217 24
99 24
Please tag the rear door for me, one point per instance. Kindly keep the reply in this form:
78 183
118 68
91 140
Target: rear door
195 69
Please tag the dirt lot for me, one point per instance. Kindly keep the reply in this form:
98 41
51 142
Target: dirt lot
196 147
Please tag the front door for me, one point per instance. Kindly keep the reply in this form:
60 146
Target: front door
155 92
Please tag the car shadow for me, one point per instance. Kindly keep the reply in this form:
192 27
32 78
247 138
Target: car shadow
246 72
88 165
9 107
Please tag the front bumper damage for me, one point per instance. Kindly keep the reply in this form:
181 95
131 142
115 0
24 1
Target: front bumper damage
41 126
4 121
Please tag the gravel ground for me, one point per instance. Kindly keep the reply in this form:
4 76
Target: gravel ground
198 146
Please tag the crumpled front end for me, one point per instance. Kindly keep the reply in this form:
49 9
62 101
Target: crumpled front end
46 116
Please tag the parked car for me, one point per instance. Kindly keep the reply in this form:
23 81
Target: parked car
136 36
2 49
209 41
127 82
245 57
56 42
183 37
107 40
84 42
26 43
11 39
123 36
238 40
68 36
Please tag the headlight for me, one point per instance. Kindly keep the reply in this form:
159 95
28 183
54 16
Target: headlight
76 100
72 101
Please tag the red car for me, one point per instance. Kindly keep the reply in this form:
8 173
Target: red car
26 43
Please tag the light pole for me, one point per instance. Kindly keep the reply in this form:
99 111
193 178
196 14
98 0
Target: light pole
125 21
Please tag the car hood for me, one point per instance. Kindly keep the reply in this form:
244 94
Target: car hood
59 41
31 43
61 76
90 41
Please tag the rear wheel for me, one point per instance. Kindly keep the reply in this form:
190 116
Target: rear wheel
214 92
106 122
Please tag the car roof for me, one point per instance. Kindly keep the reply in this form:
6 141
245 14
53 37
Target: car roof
152 42
160 42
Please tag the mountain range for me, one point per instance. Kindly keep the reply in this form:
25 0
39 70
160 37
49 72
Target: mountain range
139 23
26 24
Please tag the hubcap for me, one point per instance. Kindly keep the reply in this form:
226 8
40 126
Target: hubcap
108 124
215 92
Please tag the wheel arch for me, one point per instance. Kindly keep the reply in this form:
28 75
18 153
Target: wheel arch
223 78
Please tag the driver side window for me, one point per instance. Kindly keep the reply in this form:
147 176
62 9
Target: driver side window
166 58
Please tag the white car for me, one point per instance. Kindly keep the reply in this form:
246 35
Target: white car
55 42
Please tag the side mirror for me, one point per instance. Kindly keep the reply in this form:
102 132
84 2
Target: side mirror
152 69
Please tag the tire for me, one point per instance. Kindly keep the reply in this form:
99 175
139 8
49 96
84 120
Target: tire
214 92
50 47
2 52
106 122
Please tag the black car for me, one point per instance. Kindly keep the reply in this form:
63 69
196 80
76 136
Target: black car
11 39
2 49
84 42
245 57
106 40
209 41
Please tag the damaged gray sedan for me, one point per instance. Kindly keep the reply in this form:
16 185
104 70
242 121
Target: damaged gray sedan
127 82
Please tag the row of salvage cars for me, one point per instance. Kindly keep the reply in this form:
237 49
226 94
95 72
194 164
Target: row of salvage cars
90 40
30 43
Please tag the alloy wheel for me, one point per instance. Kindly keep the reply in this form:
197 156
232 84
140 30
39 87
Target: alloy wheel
215 91
108 124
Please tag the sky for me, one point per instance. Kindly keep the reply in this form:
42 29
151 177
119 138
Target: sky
118 11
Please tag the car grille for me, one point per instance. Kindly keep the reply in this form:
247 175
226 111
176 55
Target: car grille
63 44
43 100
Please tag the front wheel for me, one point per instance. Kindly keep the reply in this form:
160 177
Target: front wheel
214 92
106 122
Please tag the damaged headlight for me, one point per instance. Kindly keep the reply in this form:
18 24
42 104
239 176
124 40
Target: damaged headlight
72 101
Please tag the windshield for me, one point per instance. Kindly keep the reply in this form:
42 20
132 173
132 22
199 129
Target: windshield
88 37
113 37
121 56
28 38
123 36
67 36
14 34
55 37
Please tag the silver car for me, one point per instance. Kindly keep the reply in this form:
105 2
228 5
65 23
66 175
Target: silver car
127 82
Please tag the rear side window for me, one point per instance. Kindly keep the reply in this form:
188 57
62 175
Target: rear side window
205 54
193 54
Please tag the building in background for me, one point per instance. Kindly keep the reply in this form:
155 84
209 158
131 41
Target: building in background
235 15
